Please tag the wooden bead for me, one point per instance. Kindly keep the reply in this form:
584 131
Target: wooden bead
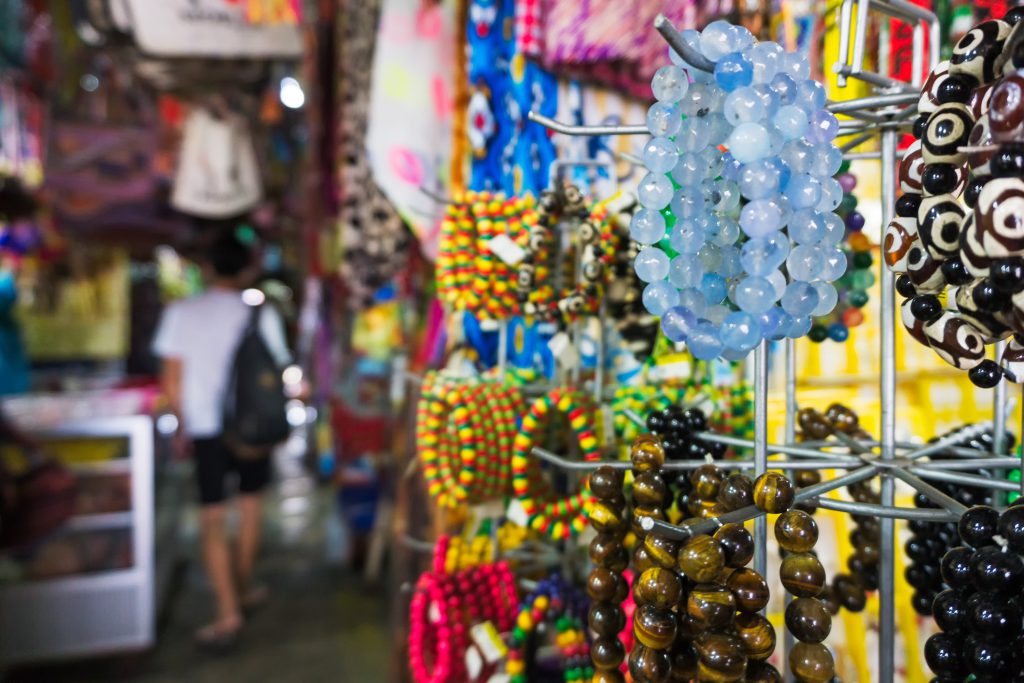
701 559
802 575
736 543
659 587
648 665
722 658
711 606
606 483
796 531
706 481
757 635
647 453
737 491
649 489
606 619
607 653
749 589
808 619
812 663
773 492
654 627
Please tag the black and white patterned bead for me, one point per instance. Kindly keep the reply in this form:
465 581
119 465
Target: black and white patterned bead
1013 359
986 323
948 129
913 326
956 341
980 98
911 167
971 252
978 53
924 271
999 217
900 236
980 160
939 223
929 100
1013 50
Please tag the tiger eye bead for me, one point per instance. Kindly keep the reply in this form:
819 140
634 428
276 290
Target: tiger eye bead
662 550
802 575
737 491
642 559
606 619
706 481
812 663
805 478
762 672
639 513
842 418
649 489
608 676
757 634
649 665
736 543
606 518
684 660
606 550
647 453
607 653
659 587
808 620
830 599
773 493
701 559
711 606
602 584
850 593
654 626
722 658
750 590
813 424
796 531
606 483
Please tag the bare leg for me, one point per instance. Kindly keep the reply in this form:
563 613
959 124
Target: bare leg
217 561
250 529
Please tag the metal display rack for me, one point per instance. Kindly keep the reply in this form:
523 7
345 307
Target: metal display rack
882 116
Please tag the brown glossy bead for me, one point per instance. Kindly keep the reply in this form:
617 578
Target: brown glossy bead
773 492
606 518
689 628
606 483
662 550
709 509
606 550
850 593
722 658
829 599
659 587
647 453
762 672
639 513
842 418
808 620
608 676
606 619
805 478
607 653
750 590
684 660
642 560
736 543
701 559
654 627
757 634
649 489
812 663
711 606
602 584
796 531
813 424
802 575
737 491
706 481
621 590
648 665
869 553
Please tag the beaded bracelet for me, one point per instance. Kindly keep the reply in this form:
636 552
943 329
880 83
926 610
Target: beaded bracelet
606 584
567 517
553 601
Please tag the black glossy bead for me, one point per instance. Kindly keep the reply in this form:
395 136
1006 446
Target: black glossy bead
905 286
921 601
973 189
977 525
939 178
942 652
907 205
986 657
1014 15
1011 526
955 272
655 423
919 125
1008 275
954 89
1008 160
922 576
695 419
950 610
997 571
987 298
956 567
920 550
985 374
926 307
993 615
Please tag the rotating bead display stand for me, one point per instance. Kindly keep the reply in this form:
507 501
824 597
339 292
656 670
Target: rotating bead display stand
881 116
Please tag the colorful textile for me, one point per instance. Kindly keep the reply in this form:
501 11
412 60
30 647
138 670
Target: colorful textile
529 31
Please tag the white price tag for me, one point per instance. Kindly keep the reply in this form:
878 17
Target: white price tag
563 350
474 663
487 638
507 250
490 325
492 509
516 514
499 678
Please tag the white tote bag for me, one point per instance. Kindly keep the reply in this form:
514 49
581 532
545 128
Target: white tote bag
217 175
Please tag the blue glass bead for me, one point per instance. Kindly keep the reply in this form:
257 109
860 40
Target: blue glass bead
810 95
710 255
754 295
828 297
759 179
702 99
774 323
760 217
826 161
799 156
800 299
712 285
761 255
731 167
694 135
734 355
834 230
693 299
688 202
791 121
704 341
660 296
748 142
663 119
785 173
741 38
718 130
669 84
722 195
740 330
716 314
730 262
768 98
655 191
785 87
686 270
651 264
805 263
677 322
836 264
687 237
690 170
778 281
799 327
714 162
743 105
796 66
803 191
823 126
838 332
716 40
831 195
660 155
692 38
647 226
721 230
806 226
733 71
765 57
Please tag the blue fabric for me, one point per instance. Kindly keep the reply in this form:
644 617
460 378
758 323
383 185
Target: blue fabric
14 365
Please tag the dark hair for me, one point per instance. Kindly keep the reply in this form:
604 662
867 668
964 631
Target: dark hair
228 255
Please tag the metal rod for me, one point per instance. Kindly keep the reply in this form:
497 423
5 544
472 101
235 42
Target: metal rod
1002 461
887 512
999 409
683 465
872 102
933 494
761 449
789 381
797 451
695 59
939 445
567 129
502 347
965 479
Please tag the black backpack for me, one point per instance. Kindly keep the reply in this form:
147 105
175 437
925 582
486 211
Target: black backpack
255 416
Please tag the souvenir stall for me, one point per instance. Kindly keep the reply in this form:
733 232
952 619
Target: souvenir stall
726 386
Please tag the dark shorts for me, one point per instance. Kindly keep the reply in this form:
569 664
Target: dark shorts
215 462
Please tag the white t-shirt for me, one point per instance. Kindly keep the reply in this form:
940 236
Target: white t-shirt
204 332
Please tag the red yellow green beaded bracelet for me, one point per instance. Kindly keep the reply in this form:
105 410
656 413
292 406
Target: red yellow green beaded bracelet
554 601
